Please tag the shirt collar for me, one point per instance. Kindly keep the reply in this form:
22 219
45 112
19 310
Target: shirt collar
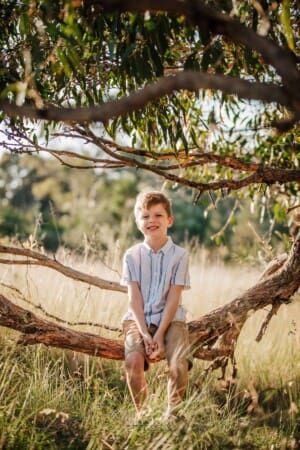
163 249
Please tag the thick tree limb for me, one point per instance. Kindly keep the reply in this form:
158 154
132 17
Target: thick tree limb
36 330
208 18
276 287
188 80
213 336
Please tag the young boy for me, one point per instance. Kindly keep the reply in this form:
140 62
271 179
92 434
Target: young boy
156 272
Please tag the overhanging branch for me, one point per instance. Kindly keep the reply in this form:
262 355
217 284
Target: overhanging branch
208 18
187 80
170 166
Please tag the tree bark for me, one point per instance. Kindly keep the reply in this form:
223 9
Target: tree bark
188 80
213 337
39 331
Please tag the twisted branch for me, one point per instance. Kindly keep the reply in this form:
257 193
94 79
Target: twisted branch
213 337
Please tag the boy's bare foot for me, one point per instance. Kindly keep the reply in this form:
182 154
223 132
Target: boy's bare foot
173 415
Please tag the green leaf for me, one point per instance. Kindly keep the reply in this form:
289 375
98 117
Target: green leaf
24 24
285 18
64 60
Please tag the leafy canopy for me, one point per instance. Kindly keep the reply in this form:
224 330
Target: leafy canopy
212 81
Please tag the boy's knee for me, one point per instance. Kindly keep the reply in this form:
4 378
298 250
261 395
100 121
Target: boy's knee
178 369
134 362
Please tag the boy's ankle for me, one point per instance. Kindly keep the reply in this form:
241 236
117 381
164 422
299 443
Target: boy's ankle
173 413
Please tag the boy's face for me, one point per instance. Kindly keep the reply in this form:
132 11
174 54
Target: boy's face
154 222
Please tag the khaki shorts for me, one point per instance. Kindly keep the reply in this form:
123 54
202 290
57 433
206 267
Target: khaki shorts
176 341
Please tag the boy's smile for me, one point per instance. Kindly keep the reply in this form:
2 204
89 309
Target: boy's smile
154 223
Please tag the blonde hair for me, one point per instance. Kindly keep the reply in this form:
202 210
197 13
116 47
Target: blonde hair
148 199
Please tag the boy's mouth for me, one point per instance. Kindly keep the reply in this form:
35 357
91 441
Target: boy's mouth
152 227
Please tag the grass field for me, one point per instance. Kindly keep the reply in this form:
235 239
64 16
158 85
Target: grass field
53 399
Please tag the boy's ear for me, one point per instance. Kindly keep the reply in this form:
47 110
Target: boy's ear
171 221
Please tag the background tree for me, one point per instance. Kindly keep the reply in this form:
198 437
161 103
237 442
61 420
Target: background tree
84 209
203 94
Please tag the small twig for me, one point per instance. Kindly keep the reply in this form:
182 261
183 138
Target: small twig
212 199
274 309
106 444
266 247
35 258
58 319
293 207
273 266
221 231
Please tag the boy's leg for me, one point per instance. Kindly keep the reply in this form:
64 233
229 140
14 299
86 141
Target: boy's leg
177 348
135 364
135 376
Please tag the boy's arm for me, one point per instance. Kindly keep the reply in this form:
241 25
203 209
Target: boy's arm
169 312
136 306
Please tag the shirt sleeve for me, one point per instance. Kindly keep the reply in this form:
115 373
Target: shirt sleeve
128 270
181 274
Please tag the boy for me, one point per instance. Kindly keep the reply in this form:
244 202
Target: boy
156 272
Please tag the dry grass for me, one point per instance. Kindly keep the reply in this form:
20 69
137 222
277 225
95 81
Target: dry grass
99 414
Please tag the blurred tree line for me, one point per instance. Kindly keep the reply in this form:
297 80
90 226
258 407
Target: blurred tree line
58 206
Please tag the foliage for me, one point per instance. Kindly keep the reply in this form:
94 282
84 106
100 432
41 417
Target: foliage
84 54
93 209
57 208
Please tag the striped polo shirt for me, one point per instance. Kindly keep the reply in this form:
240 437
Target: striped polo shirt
155 273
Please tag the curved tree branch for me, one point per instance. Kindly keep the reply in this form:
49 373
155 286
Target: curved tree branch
263 174
213 336
207 18
119 156
35 258
36 330
188 80
275 288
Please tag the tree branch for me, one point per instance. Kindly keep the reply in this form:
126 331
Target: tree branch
263 174
58 319
207 18
188 80
36 330
35 258
213 336
119 157
275 287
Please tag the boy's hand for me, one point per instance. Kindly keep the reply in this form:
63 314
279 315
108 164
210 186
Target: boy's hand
159 346
148 342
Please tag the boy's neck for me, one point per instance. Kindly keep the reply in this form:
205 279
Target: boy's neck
156 244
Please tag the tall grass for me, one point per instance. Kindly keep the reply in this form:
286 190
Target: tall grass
51 399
